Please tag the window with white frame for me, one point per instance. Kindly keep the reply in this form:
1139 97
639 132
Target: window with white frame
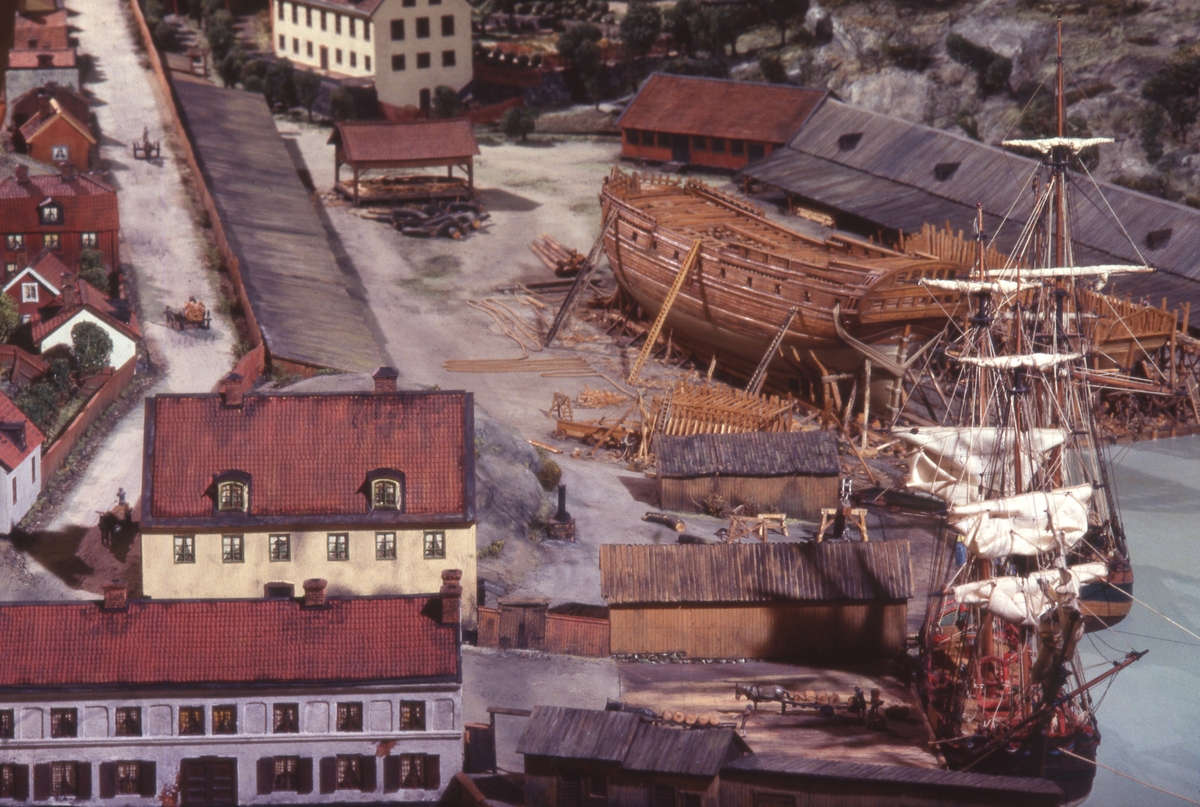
385 546
29 292
185 549
338 546
280 547
88 240
435 545
231 497
233 549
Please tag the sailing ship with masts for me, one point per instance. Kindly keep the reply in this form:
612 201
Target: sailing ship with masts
1029 502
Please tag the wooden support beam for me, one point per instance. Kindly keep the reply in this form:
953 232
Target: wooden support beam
693 258
760 373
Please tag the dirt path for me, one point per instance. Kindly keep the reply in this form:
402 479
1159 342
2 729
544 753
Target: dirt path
163 252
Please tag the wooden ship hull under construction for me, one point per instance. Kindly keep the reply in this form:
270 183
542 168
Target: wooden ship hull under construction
751 274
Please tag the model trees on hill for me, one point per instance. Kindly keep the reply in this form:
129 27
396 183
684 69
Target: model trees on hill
781 12
518 123
992 69
9 317
308 86
1175 88
579 45
640 27
445 102
91 347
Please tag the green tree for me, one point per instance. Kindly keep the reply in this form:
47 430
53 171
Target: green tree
1176 89
571 39
308 85
93 270
9 317
772 67
1153 122
230 68
39 402
92 348
518 122
680 22
578 45
589 63
279 84
221 34
341 104
445 102
640 27
781 12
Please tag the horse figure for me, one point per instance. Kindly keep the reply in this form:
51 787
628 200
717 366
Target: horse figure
757 693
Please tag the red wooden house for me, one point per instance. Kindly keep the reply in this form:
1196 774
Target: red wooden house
714 123
55 136
65 213
37 285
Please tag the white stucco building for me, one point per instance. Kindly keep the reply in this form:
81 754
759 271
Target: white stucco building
21 463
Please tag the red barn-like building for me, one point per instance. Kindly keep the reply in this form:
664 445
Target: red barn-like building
715 123
65 213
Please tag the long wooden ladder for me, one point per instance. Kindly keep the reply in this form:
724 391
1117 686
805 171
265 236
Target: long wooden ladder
581 281
760 373
693 257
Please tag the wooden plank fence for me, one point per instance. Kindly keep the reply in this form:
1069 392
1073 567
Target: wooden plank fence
55 457
532 627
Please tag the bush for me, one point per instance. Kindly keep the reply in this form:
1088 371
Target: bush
252 84
992 69
9 317
92 348
549 474
230 68
492 550
279 84
253 67
445 102
39 402
308 85
640 27
519 122
59 375
221 35
772 68
341 104
93 270
714 504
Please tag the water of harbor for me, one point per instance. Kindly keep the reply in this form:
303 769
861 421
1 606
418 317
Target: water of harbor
1150 716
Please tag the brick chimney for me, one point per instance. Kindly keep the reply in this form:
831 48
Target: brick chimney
233 390
70 291
451 595
314 592
22 174
116 596
385 379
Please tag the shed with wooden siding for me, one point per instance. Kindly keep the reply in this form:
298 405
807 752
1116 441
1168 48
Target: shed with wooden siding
796 473
774 780
788 601
589 758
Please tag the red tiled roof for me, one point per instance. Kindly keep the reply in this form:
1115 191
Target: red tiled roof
385 142
29 102
308 456
42 121
740 110
11 453
160 642
89 205
93 300
28 59
50 30
48 267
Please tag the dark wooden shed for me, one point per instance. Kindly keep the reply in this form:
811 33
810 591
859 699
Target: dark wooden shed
590 758
788 601
796 473
775 780
371 145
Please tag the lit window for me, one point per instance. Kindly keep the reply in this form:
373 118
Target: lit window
412 715
191 721
231 496
10 269
385 546
435 545
397 62
64 779
51 241
447 25
353 59
286 718
185 549
287 773
50 213
448 58
64 722
129 721
349 716
129 778
349 773
7 725
225 719
385 494
233 549
412 770
280 547
29 292
8 781
339 546
422 61
88 240
15 241
422 27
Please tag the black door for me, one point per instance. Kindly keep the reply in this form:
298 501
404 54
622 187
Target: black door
208 782
679 149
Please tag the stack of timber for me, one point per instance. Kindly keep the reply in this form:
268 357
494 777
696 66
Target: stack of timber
383 189
446 219
558 258
691 408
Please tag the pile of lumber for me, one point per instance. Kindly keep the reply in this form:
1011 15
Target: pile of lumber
444 219
560 259
698 408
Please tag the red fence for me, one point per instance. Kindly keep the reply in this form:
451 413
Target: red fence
55 457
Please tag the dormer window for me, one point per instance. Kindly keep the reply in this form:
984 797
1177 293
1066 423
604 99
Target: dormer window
384 489
230 492
50 212
848 141
943 171
385 494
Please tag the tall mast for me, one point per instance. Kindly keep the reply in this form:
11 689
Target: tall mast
1058 158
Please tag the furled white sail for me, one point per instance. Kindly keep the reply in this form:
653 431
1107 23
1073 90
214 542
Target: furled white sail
1045 144
1025 600
1035 361
972 286
1101 269
961 464
1026 524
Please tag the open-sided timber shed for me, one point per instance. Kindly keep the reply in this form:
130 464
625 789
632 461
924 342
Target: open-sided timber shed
785 601
796 473
371 145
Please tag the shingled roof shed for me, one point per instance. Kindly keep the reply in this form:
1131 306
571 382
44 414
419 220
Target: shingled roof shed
369 145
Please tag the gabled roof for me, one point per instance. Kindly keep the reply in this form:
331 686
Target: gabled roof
35 126
308 457
740 110
30 59
359 8
46 268
628 739
262 641
729 573
809 453
18 442
89 204
30 101
414 141
91 299
48 28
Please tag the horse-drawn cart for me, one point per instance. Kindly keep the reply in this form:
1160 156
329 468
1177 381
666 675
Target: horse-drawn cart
147 149
192 315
